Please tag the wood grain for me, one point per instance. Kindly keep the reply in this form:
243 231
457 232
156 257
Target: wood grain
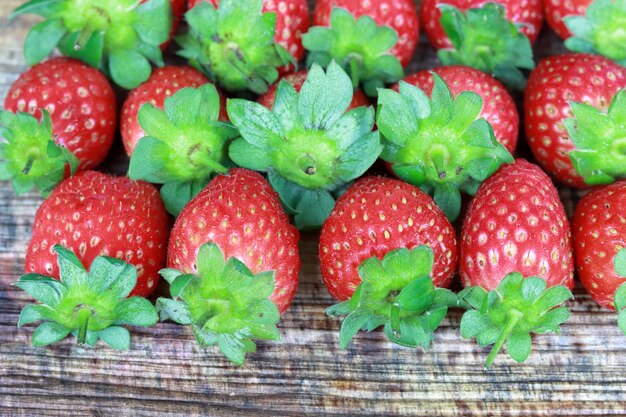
580 372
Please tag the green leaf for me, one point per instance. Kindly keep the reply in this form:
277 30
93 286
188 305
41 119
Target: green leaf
91 53
44 8
42 39
397 119
417 296
71 269
35 312
448 198
179 284
518 345
621 321
149 160
313 209
176 311
155 22
136 311
112 276
115 336
257 124
176 195
620 263
620 297
48 333
359 157
249 156
351 326
129 68
44 289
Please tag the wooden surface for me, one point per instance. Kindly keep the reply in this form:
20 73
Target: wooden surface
580 372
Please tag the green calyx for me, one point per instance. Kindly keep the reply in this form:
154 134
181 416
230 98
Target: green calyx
600 140
510 313
90 305
185 145
308 144
484 39
437 143
225 304
29 156
120 37
396 293
359 46
234 45
601 30
620 294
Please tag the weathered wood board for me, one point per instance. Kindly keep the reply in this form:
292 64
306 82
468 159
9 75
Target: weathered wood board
580 372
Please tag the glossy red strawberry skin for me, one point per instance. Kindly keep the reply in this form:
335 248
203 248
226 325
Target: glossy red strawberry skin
95 214
401 15
292 21
498 106
599 232
527 12
516 223
81 103
556 10
163 83
242 214
557 81
375 216
297 79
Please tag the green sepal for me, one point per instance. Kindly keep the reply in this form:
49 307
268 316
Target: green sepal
42 39
234 45
29 156
225 304
601 30
308 144
90 305
484 39
44 8
397 293
518 307
600 140
185 145
360 46
437 143
620 294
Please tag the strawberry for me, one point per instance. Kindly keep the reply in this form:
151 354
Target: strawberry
120 37
94 214
77 107
556 10
309 144
515 227
237 218
599 231
558 81
498 106
381 219
241 44
163 83
297 80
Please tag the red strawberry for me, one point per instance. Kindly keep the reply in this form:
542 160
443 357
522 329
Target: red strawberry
527 13
400 15
297 80
498 106
558 81
242 214
178 10
556 10
599 230
163 83
94 214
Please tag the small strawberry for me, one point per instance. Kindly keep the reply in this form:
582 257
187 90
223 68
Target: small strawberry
163 83
90 305
557 82
121 37
77 108
371 221
234 43
556 10
93 214
438 143
498 106
515 227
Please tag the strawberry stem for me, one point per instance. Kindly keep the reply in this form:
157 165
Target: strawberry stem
513 317
28 166
355 64
84 314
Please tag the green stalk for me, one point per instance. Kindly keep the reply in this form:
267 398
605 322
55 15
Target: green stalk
513 317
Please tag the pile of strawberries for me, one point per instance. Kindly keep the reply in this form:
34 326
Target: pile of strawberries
272 130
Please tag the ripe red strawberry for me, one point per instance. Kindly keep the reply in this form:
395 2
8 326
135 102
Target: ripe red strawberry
599 230
242 214
163 83
94 214
556 10
82 109
527 13
178 10
557 82
297 79
498 106
400 15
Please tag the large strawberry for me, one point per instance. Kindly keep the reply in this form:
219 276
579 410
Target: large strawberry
121 37
371 221
439 143
557 82
515 228
76 105
234 43
163 83
498 106
237 218
309 144
94 214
